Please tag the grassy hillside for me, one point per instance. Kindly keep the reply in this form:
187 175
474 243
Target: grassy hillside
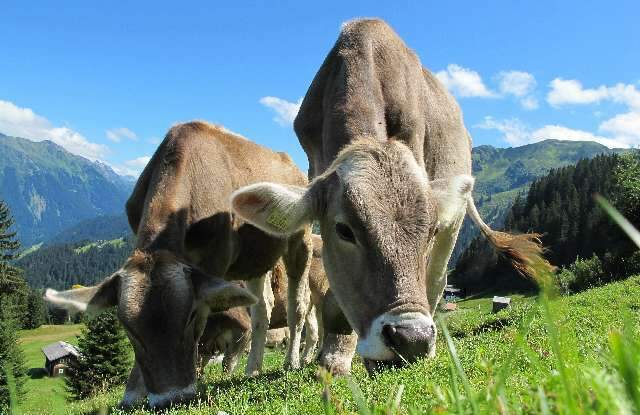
44 395
502 173
576 371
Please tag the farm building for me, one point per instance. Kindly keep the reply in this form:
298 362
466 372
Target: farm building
500 303
57 356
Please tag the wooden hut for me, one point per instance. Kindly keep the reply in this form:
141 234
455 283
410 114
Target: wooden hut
57 356
500 303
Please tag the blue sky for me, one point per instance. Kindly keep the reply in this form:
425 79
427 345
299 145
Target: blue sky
107 79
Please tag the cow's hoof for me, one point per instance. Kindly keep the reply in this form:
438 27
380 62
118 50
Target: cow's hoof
337 365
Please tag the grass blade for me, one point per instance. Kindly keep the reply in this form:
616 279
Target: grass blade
358 396
458 366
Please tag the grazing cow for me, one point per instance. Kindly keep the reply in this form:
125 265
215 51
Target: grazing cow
181 215
226 331
391 162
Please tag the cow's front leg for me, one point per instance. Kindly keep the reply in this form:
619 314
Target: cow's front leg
338 340
260 316
310 336
297 261
136 391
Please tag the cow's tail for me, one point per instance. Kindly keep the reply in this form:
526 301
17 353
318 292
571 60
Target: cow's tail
524 250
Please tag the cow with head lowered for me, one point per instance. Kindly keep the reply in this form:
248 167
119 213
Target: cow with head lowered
187 240
390 159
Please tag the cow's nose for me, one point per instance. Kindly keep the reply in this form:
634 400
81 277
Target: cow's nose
410 340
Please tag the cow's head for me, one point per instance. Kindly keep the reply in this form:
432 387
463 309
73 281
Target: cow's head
379 215
163 305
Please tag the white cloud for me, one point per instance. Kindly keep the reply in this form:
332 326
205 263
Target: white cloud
517 133
464 82
23 122
132 167
516 83
571 91
513 130
625 127
117 134
286 111
529 103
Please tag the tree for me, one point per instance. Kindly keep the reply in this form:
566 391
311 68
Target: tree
13 288
627 180
105 357
12 368
36 311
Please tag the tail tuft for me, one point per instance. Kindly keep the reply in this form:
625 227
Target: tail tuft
524 250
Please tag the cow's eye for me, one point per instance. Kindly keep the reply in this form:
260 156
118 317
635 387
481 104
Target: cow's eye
345 233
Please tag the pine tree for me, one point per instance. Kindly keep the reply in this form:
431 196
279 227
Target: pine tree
13 288
36 311
105 357
12 367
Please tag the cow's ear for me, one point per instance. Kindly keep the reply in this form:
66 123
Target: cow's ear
274 208
218 294
452 197
89 299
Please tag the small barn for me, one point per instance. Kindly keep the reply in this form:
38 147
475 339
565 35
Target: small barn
500 303
57 357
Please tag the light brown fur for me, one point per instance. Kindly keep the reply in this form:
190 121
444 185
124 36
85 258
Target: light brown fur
180 212
391 162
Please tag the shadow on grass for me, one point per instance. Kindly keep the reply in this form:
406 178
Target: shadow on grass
488 326
36 373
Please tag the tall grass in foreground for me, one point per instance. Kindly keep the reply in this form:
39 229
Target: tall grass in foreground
575 387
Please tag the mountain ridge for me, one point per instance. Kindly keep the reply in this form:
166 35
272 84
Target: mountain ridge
48 189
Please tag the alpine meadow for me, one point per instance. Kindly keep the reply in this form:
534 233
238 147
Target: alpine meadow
345 208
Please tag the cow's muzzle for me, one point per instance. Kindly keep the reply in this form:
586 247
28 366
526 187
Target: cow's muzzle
174 397
411 339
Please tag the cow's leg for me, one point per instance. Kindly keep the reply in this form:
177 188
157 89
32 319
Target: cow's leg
297 261
337 352
260 316
338 341
310 336
136 391
437 266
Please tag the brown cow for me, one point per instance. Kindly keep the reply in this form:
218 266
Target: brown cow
391 162
181 215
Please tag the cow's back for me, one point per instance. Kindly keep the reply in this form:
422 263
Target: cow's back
181 200
372 85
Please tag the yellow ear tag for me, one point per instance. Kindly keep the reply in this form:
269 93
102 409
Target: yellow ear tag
278 219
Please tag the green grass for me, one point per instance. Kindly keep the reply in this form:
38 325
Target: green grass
44 395
517 360
116 243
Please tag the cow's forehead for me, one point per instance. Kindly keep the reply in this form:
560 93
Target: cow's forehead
385 186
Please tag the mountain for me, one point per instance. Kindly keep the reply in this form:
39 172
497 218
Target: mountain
101 228
502 173
49 189
60 266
